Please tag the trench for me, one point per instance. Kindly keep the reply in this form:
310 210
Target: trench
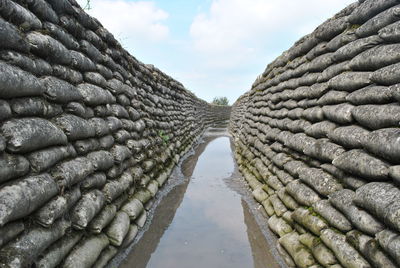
206 218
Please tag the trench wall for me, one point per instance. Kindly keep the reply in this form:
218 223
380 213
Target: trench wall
88 134
318 140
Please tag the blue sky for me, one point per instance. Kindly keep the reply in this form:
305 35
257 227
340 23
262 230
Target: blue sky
214 47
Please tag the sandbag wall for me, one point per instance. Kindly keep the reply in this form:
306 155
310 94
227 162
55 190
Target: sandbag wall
318 140
88 134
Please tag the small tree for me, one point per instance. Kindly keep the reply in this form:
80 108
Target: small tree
220 101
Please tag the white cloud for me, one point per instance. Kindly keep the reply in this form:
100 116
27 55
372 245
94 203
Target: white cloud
234 30
141 20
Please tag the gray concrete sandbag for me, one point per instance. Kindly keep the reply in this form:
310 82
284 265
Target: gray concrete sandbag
141 220
303 194
269 209
118 228
274 183
331 28
377 116
102 160
370 249
368 9
60 91
96 180
356 47
114 188
73 171
286 199
390 33
284 177
350 81
294 167
74 127
360 163
373 25
106 255
308 220
47 47
103 218
321 253
5 110
333 97
376 58
133 208
324 150
332 215
57 207
387 76
100 126
371 95
26 248
20 198
12 166
85 254
81 63
390 242
301 256
106 142
385 143
120 153
333 70
15 82
46 158
349 136
87 207
395 89
54 254
35 106
313 114
344 252
9 231
394 173
339 113
143 195
279 226
363 221
83 147
320 129
12 37
29 134
285 255
319 180
277 204
130 236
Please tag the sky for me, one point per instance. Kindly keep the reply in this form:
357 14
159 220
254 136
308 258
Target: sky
213 47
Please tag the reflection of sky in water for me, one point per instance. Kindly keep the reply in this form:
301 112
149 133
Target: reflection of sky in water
208 229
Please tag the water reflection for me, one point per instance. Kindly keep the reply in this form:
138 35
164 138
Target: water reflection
202 223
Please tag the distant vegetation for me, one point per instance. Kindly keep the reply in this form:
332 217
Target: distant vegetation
220 101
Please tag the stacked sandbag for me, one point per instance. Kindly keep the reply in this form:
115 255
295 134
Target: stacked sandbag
88 135
318 140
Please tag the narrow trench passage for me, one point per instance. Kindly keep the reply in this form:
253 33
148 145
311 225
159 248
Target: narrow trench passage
203 222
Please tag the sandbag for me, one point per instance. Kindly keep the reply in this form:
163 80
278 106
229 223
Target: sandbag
320 181
86 208
46 158
321 253
57 207
301 256
286 199
113 189
29 134
390 242
371 95
34 106
340 113
130 236
27 247
387 76
118 228
86 252
385 143
390 33
10 231
331 215
12 166
343 201
141 221
106 255
370 249
73 171
368 9
350 81
279 226
74 127
305 218
60 91
103 218
349 136
57 251
102 160
20 198
324 150
346 254
15 82
302 193
360 163
277 204
96 180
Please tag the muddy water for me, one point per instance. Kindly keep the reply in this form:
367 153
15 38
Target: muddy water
203 222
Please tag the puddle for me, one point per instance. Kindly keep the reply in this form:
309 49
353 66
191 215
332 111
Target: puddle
203 222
